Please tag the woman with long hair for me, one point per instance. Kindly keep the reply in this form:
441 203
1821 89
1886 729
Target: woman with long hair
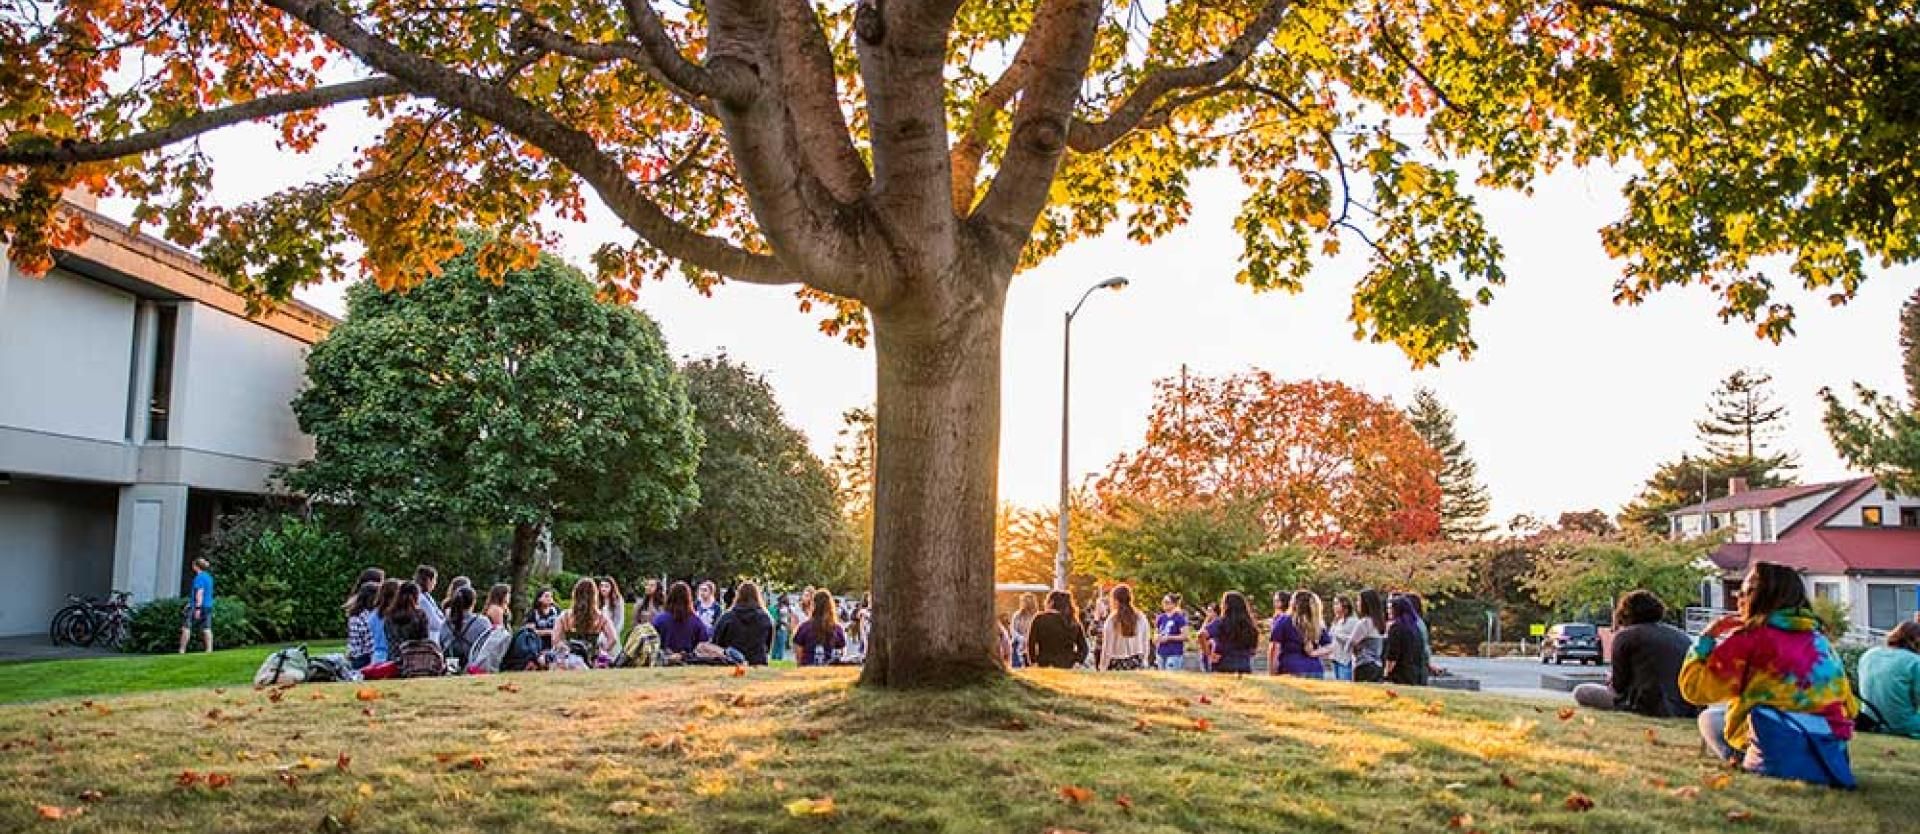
465 629
544 614
360 616
613 606
1404 655
1340 628
706 603
745 630
499 604
1770 654
652 600
1299 641
377 619
1231 640
403 618
680 629
375 575
820 639
1368 639
1127 638
583 636
457 583
1017 627
1055 639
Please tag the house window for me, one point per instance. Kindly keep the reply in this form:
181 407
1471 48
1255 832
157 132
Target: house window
1870 516
1766 525
1910 516
1829 591
1889 605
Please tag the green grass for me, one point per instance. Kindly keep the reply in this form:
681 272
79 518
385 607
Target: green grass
97 676
688 750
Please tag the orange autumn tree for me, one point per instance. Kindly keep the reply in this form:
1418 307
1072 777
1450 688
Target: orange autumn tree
1331 465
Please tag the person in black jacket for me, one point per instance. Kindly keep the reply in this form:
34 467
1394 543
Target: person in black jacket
1646 655
746 628
1405 653
1055 640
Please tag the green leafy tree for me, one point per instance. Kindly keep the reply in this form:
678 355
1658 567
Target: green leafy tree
767 503
1464 502
1579 574
520 402
1882 436
1197 549
289 570
898 161
1677 484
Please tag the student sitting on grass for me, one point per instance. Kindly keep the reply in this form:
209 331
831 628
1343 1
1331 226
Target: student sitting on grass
377 623
1769 654
542 616
1890 681
465 630
403 619
1231 639
583 637
745 628
1646 655
680 629
361 615
820 639
499 605
1055 639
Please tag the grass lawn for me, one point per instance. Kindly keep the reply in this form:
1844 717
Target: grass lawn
689 750
43 679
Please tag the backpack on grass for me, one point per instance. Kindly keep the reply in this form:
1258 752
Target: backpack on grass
524 651
287 665
1798 746
492 650
642 647
330 668
421 659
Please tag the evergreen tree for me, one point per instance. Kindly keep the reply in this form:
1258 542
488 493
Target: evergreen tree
1743 418
1883 437
1678 483
1463 500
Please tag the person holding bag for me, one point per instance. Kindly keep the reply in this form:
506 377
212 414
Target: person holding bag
1776 697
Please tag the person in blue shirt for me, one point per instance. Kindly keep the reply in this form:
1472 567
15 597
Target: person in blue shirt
199 611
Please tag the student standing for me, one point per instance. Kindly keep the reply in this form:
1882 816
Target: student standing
1127 639
1021 623
1368 639
1231 640
1340 630
199 611
820 640
1298 641
1055 640
1170 630
1405 653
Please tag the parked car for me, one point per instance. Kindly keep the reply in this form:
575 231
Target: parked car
1571 641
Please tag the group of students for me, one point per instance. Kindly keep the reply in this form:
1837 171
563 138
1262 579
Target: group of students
396 628
1383 638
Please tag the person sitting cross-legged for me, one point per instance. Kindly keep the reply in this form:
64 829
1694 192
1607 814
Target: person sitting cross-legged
1890 681
1646 655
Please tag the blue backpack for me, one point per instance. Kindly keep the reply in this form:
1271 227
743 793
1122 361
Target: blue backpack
1799 746
523 651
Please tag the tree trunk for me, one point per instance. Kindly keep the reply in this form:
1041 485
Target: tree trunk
520 567
936 476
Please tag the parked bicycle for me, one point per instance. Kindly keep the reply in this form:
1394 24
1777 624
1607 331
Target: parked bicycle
89 621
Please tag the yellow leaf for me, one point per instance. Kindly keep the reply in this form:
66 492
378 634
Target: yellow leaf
366 790
822 807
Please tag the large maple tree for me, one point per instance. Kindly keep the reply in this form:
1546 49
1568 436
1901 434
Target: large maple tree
897 161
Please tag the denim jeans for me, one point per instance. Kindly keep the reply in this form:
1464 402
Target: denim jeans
1342 671
1713 730
1173 662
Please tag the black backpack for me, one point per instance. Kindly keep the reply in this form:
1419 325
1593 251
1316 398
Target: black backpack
525 648
1869 720
329 668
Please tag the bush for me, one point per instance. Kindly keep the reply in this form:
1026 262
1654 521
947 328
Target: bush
1850 659
156 625
291 572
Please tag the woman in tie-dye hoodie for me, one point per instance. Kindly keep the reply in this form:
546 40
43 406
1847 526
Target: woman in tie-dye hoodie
1771 653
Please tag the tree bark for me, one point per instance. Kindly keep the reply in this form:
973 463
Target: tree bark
936 478
520 567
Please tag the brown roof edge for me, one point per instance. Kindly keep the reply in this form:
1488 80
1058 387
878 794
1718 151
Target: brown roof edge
115 245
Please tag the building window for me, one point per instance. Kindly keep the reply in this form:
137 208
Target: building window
1870 516
1910 516
1766 525
1829 591
1889 605
160 404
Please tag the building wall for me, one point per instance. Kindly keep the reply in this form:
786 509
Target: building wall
56 538
1793 511
1890 506
234 381
66 351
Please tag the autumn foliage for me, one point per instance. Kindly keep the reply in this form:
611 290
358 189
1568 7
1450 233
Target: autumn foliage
1331 465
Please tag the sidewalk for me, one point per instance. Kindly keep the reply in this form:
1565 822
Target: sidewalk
38 647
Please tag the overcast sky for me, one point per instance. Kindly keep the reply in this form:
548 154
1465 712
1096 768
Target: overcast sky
1569 403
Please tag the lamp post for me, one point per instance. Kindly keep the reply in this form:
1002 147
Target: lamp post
1060 558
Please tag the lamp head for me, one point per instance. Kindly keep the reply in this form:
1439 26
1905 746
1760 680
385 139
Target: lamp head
1114 283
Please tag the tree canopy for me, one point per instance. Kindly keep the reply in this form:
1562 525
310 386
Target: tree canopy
1882 436
520 402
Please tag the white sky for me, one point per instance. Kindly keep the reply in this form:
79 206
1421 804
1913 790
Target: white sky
1568 404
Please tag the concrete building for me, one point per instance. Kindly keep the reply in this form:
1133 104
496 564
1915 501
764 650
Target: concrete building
1855 543
138 403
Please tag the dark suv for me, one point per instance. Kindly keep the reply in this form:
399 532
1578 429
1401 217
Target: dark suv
1571 641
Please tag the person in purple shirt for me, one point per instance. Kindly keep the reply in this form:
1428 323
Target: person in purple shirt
1170 630
1299 639
1230 640
819 640
680 629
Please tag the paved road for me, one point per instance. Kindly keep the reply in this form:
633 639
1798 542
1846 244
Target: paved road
1514 676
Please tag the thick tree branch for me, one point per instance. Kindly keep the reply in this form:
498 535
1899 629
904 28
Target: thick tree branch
530 34
971 149
902 50
720 79
278 104
813 101
1089 136
570 146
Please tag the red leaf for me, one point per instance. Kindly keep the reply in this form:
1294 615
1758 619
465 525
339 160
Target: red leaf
217 781
1204 699
1124 801
289 778
1566 713
1578 801
341 764
186 779
1507 782
1391 694
475 763
1202 725
739 671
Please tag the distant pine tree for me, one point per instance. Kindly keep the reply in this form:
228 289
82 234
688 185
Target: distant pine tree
1463 500
1743 419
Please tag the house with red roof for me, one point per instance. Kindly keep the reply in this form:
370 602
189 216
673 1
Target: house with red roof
1855 542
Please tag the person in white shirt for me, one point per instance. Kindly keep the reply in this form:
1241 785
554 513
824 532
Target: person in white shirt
1127 639
426 577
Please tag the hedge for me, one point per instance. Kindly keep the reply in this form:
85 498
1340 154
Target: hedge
156 626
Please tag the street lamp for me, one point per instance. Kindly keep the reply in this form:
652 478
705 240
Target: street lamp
1060 559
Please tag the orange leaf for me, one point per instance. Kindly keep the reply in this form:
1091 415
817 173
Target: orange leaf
1076 794
186 779
1142 725
1739 815
1202 724
1720 781
1124 801
1657 782
341 764
367 694
274 696
739 671
1566 713
508 687
1653 738
1391 694
475 763
1461 821
217 781
1578 801
55 812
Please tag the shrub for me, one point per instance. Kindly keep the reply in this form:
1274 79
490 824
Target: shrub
290 571
156 625
1834 616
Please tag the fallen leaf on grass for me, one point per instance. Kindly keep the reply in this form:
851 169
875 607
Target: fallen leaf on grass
1142 725
508 687
822 807
739 671
1204 700
1507 782
1719 781
218 781
1435 707
186 779
1202 725
289 778
92 796
55 812
276 695
1653 737
474 763
365 790
1739 815
497 737
367 711
1391 694
1657 783
625 808
213 715
341 764
1578 801
1566 713
219 692
1461 821
1076 794
367 694
1124 801
1685 792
